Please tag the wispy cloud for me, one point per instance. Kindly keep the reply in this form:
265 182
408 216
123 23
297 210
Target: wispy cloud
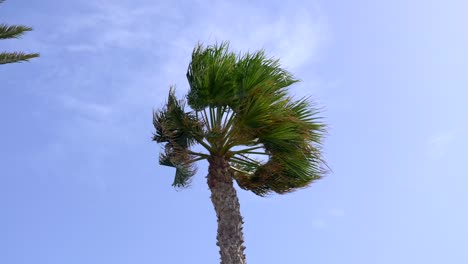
294 35
146 46
89 109
440 143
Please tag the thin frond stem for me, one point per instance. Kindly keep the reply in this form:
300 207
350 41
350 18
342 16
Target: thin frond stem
197 159
212 118
227 118
228 131
230 143
205 145
244 162
247 157
241 171
247 150
254 152
219 116
205 156
205 119
228 122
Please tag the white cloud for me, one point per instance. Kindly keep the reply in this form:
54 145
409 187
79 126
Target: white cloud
89 109
291 33
439 144
165 32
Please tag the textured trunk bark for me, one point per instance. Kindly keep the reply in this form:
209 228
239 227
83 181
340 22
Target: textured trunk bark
224 197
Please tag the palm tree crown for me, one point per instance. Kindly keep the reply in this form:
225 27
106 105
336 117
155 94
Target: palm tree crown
9 32
241 111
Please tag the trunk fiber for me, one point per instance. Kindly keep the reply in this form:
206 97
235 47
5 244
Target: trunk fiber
224 197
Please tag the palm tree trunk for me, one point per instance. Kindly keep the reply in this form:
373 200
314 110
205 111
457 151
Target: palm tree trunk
224 197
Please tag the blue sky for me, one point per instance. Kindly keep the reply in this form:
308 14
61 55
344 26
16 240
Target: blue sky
79 179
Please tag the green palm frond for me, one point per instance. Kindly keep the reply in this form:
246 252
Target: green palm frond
180 159
291 135
288 129
210 76
177 130
10 57
174 125
14 31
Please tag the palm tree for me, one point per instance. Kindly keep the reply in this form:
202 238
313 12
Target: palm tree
251 131
9 32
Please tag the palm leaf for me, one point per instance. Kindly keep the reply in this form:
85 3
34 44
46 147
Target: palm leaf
288 129
174 125
177 130
13 31
210 76
182 161
10 57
